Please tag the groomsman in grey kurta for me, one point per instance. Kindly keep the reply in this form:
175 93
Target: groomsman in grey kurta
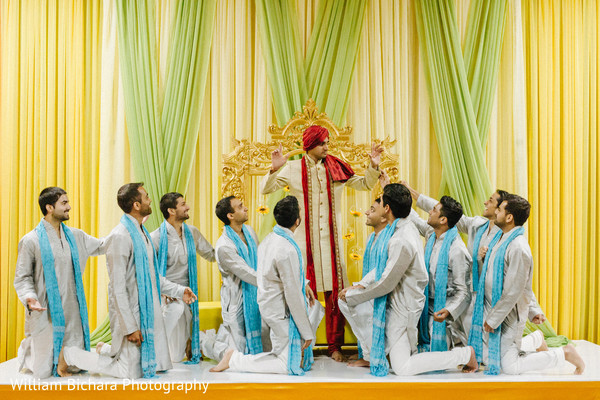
403 280
36 350
509 313
280 297
176 313
471 226
123 358
234 270
443 217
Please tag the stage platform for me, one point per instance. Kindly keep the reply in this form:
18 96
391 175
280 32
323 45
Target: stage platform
327 378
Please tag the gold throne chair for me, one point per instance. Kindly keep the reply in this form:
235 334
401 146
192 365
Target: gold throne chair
253 159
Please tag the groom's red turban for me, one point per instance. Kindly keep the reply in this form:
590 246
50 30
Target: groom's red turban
313 136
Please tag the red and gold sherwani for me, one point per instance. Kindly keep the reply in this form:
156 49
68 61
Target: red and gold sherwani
317 190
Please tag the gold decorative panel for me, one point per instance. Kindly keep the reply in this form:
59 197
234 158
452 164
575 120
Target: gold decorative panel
254 158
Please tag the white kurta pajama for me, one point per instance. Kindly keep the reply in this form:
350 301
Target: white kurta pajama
123 358
232 333
404 280
279 297
36 350
512 310
178 315
470 226
458 294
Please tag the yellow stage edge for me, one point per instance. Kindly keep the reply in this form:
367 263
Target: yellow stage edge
322 390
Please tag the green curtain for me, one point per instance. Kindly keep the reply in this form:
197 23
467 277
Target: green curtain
278 28
163 143
332 53
482 51
331 59
456 120
139 72
187 72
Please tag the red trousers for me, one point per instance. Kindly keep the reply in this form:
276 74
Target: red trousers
335 322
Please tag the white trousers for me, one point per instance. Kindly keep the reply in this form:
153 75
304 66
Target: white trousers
215 344
402 362
271 363
263 363
513 363
178 318
532 342
127 364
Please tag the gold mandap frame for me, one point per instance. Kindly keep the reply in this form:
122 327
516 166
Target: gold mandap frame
254 158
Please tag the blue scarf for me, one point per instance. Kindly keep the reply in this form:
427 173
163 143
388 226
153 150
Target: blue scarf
163 251
438 342
367 266
476 244
144 286
379 363
252 319
54 300
295 341
476 334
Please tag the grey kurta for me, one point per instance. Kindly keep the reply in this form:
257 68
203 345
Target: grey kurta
470 226
291 175
123 304
458 293
404 280
234 271
513 307
280 290
178 315
29 283
177 256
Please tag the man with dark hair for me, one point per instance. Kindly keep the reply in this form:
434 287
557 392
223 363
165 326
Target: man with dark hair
139 340
318 181
225 207
286 302
48 281
393 293
178 264
376 218
236 251
480 231
503 299
449 265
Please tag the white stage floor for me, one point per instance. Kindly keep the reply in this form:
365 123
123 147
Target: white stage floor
327 370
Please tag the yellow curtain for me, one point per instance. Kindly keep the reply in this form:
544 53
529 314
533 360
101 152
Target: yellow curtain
389 98
561 57
62 123
237 106
50 131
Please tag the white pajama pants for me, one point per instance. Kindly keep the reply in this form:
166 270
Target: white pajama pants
263 363
271 363
513 363
178 319
125 365
532 342
402 362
